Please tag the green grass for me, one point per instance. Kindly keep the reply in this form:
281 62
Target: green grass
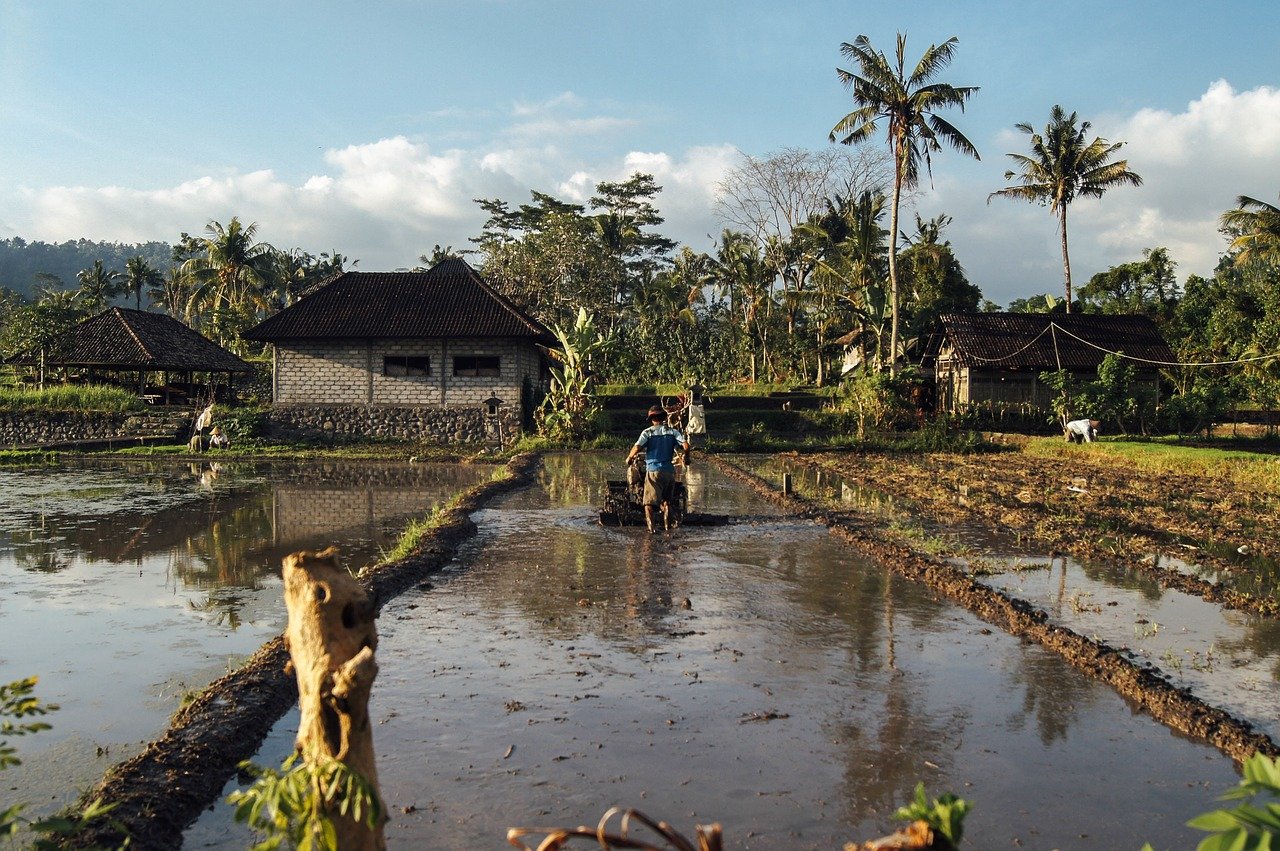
1248 470
413 534
70 397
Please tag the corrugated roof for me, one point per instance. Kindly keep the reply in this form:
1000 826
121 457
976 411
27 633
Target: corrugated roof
1026 340
450 300
121 338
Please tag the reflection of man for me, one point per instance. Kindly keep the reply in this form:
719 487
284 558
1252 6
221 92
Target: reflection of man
658 443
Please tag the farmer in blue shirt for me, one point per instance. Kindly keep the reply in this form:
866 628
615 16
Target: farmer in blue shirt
658 443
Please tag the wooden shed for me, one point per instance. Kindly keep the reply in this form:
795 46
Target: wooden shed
981 358
152 352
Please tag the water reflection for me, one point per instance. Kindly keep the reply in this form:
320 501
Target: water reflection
124 584
755 674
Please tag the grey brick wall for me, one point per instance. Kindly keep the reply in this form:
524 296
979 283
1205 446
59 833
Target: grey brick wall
342 375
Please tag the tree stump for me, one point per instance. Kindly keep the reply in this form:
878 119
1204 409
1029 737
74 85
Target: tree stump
331 640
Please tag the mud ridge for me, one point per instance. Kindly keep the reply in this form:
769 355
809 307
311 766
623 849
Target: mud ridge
162 790
1212 592
1174 707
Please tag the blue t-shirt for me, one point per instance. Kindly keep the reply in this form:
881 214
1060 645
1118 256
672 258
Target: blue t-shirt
659 444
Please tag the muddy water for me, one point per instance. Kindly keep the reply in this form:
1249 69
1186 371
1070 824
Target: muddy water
1228 659
124 585
756 675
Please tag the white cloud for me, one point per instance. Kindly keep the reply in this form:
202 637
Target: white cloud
1194 163
388 200
384 202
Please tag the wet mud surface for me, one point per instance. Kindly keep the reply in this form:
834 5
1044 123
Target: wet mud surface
162 789
1172 703
1209 536
765 675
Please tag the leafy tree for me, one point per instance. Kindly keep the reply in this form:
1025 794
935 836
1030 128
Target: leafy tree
439 253
848 242
570 411
934 276
140 275
740 275
1146 287
1062 167
1041 303
907 103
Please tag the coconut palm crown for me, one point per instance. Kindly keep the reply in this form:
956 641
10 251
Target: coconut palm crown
906 102
1255 230
1062 167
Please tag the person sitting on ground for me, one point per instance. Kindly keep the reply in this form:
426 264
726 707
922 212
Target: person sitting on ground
218 439
658 443
1082 431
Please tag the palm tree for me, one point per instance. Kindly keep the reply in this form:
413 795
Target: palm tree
907 102
98 285
1062 167
1255 228
234 275
140 275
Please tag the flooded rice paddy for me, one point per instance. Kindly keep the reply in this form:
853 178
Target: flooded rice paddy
127 585
1229 659
758 675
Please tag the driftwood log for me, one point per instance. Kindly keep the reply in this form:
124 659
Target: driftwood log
331 640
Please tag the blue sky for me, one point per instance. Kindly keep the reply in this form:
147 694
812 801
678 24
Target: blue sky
370 130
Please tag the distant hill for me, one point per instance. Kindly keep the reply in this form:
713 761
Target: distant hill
21 261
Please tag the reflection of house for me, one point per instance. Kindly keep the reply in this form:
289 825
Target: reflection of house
131 347
998 357
440 339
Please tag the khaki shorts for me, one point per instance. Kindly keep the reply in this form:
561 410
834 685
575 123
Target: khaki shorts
659 486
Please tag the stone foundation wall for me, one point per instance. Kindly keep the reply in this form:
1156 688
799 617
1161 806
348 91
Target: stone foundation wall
28 428
336 423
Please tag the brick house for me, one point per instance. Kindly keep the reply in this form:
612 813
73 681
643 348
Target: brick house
407 354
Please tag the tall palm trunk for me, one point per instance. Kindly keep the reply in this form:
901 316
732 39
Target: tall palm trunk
893 265
1066 259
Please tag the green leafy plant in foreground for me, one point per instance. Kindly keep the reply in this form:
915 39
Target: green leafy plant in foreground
944 815
18 700
1248 826
294 807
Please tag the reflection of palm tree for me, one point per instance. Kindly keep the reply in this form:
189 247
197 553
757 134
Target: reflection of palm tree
1053 692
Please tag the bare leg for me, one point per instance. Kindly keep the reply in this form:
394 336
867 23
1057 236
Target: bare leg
666 512
648 517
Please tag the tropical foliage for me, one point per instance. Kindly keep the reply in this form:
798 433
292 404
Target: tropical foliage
1062 167
812 276
907 103
19 704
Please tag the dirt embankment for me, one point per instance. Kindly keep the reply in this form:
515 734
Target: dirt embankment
1172 706
163 789
1093 507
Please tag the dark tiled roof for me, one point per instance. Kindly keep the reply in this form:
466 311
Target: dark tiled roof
1026 340
448 300
133 339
